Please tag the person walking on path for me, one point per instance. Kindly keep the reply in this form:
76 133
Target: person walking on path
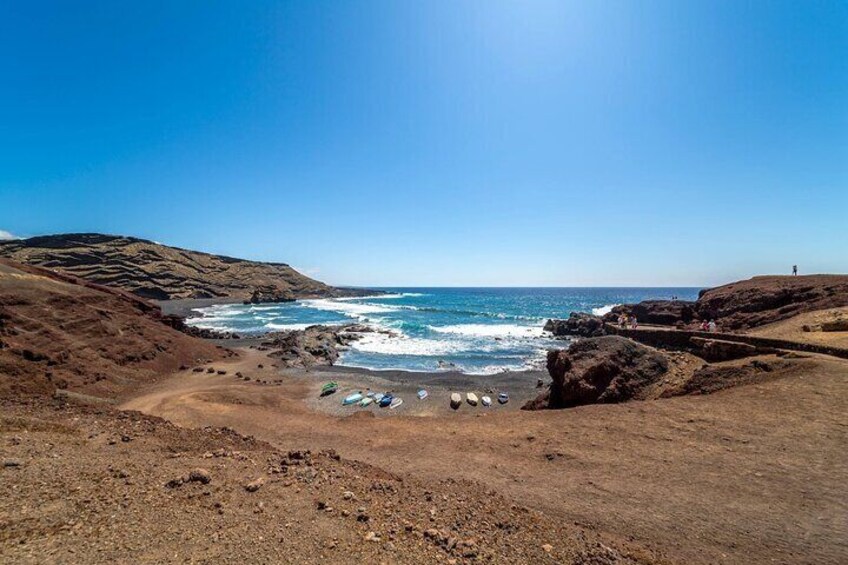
794 270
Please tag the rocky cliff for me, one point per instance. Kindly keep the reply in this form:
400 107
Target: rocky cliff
744 304
160 272
763 300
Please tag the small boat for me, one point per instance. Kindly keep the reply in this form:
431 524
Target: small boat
486 401
395 403
352 398
366 401
370 394
387 399
422 394
471 398
378 397
455 400
329 388
503 398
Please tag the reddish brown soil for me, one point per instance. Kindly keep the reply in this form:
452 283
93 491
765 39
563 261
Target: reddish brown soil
55 333
80 485
793 328
752 474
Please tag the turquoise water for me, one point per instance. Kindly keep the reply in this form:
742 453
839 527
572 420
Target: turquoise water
474 330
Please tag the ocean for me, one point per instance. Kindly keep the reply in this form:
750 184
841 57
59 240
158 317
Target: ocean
472 330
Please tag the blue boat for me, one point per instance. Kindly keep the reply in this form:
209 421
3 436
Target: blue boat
386 400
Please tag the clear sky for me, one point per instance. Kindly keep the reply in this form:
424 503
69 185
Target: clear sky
460 143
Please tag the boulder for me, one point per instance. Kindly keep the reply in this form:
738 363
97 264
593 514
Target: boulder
600 370
659 312
316 345
838 325
270 294
577 324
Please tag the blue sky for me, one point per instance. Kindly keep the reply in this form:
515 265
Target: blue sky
438 143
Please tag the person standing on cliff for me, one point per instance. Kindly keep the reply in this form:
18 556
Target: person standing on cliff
794 270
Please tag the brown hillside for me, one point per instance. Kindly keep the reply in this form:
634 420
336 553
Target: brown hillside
156 271
768 299
93 340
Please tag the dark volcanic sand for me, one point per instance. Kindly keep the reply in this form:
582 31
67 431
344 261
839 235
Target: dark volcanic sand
520 385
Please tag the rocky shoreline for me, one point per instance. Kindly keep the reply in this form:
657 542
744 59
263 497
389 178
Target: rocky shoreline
314 345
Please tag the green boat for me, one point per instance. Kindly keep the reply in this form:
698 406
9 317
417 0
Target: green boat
329 388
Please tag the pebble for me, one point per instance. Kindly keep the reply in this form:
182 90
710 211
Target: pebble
200 475
548 548
12 463
372 536
255 485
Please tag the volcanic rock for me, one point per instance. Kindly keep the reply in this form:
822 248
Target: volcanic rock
662 312
577 324
599 370
270 294
763 300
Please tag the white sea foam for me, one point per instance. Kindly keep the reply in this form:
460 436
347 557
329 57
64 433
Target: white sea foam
272 326
490 330
602 310
374 297
219 311
381 296
351 309
264 308
404 345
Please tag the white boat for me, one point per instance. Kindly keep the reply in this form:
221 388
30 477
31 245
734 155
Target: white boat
455 400
487 401
422 394
366 401
396 402
471 398
352 399
378 397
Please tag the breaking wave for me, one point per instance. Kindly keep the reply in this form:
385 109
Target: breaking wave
603 310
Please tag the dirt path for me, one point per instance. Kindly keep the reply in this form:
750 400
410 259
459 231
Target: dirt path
754 474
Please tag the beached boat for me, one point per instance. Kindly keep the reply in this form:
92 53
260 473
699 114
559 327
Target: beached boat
329 388
455 400
366 401
378 397
471 398
503 398
352 398
422 394
395 403
486 401
387 399
370 394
